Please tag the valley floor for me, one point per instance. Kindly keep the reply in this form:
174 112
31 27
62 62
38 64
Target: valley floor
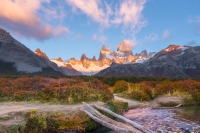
10 107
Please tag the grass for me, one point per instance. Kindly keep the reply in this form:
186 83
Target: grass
189 90
5 117
137 92
49 90
59 121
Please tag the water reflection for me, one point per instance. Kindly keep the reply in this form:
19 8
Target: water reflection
189 113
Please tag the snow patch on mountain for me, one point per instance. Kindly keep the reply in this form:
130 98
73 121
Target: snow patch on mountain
59 64
89 71
175 47
24 67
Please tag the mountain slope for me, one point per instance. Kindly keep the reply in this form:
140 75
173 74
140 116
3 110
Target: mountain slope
172 62
21 60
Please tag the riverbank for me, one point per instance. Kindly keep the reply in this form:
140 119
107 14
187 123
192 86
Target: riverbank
13 113
38 117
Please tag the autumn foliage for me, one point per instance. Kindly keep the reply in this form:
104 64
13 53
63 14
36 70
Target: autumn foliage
148 90
65 90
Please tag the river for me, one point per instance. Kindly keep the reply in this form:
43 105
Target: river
182 120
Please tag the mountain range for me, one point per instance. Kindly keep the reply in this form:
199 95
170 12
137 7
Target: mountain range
123 55
172 62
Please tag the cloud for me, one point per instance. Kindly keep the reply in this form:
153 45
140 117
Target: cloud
130 42
54 11
22 17
166 35
101 39
130 15
92 9
151 38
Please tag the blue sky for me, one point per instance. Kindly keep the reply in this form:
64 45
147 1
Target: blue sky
69 28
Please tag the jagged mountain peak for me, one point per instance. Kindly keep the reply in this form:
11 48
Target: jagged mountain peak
93 58
105 48
103 52
59 59
125 47
4 35
40 53
38 50
83 57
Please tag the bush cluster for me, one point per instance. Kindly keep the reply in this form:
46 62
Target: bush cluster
62 90
120 86
138 92
148 90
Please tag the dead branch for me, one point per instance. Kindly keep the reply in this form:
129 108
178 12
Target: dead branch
127 127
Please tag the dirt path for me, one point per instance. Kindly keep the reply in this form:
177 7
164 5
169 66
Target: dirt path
9 107
132 103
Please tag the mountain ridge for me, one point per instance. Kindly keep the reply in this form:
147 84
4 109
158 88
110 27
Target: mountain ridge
172 62
123 55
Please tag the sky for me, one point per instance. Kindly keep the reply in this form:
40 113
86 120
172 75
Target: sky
69 28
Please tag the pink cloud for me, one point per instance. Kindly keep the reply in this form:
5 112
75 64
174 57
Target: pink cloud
92 9
130 15
21 16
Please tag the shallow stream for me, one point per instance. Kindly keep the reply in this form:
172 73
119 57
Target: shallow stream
182 120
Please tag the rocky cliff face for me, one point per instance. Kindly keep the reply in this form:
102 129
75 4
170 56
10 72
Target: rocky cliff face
172 62
123 55
40 53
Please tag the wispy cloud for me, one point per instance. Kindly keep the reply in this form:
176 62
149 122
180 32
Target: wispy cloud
130 15
92 9
22 17
101 39
166 35
55 11
151 38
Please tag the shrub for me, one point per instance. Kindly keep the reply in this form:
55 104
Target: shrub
62 90
74 122
120 86
139 92
118 107
35 121
137 95
5 117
